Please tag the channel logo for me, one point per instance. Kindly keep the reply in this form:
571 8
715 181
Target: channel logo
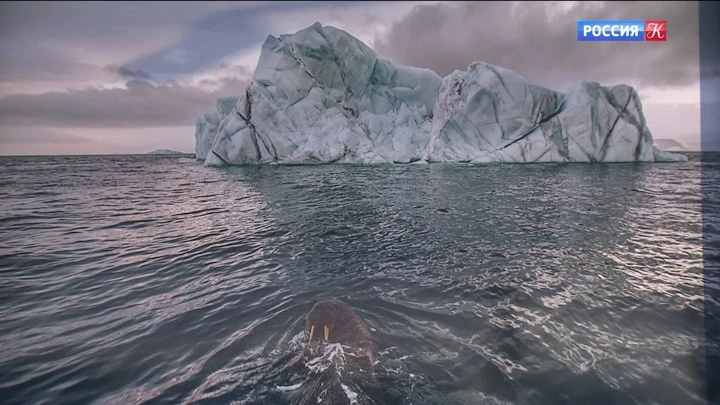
622 30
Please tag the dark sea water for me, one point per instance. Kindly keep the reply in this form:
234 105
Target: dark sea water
152 279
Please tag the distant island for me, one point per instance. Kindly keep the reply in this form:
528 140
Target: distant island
165 152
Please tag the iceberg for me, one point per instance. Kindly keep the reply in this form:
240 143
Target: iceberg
671 145
206 126
322 96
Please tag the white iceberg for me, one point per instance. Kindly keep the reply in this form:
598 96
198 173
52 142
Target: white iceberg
322 96
671 145
206 126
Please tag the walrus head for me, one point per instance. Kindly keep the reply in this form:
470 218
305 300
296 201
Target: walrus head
334 321
349 356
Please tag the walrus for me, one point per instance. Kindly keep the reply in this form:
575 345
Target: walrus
335 322
331 324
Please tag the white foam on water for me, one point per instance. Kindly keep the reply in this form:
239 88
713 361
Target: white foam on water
287 388
351 396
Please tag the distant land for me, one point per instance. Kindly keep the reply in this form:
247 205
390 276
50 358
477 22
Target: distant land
165 152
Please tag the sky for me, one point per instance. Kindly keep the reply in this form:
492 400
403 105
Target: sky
131 77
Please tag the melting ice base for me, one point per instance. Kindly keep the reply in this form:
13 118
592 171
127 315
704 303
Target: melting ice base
322 96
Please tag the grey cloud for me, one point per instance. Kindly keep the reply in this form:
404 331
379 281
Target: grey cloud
241 70
22 136
543 46
141 105
76 21
38 62
128 73
39 41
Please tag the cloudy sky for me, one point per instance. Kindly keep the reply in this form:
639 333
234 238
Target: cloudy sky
130 77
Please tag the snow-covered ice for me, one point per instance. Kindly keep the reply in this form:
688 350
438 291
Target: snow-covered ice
322 96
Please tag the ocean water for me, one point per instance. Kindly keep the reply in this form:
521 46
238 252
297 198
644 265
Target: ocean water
152 279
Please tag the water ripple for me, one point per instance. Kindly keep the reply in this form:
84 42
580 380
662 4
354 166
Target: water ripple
142 279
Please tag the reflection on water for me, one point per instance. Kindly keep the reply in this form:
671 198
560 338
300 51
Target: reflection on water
150 279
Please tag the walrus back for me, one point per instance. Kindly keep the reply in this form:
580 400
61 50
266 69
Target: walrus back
326 388
351 349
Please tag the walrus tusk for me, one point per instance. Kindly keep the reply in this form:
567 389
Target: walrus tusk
312 331
327 333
